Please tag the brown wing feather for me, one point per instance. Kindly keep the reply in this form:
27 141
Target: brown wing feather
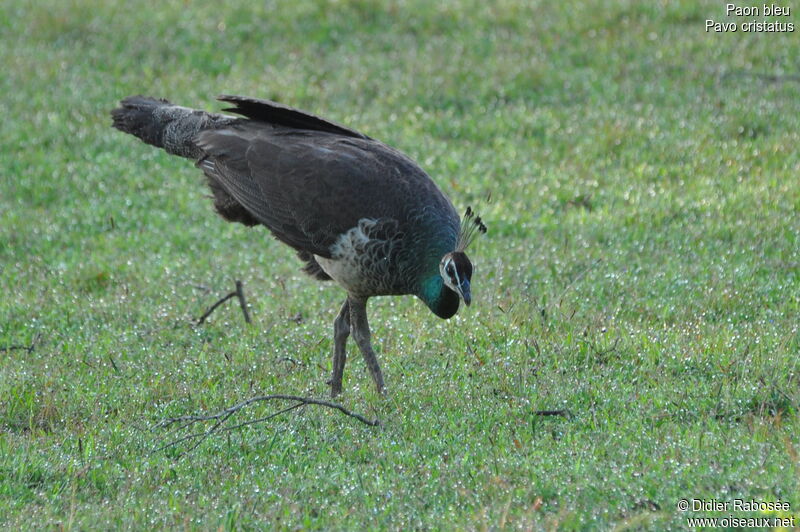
310 187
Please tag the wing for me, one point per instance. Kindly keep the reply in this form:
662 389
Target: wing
310 186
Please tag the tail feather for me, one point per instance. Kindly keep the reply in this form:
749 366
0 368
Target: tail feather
175 129
164 125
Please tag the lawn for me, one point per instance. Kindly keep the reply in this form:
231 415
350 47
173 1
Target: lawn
640 273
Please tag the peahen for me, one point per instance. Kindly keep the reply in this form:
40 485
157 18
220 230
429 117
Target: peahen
356 210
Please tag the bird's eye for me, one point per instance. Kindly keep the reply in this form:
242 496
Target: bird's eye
450 270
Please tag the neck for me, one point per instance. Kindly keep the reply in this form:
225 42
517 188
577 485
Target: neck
441 300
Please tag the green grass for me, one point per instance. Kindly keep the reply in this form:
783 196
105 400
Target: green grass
640 271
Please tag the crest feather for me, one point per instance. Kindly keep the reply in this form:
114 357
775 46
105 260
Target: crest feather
471 226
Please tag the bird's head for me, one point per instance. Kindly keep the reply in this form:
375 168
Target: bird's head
455 267
456 271
444 292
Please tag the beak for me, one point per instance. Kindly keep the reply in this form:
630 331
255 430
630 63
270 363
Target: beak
464 292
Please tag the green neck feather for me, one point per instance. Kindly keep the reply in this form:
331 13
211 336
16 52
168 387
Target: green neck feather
441 300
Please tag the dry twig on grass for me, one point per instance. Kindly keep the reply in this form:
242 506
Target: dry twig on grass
28 348
239 294
221 417
548 413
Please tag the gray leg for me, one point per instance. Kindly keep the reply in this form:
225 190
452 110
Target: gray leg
360 329
341 330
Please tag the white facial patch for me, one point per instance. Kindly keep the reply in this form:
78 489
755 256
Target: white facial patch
449 273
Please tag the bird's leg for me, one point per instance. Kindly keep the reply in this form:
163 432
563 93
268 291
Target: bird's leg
341 330
360 329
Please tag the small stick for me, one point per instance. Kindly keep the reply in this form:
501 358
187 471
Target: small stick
773 78
563 413
221 417
217 428
28 348
235 408
242 302
238 293
213 307
15 347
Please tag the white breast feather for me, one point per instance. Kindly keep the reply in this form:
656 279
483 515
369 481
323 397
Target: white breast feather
345 265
